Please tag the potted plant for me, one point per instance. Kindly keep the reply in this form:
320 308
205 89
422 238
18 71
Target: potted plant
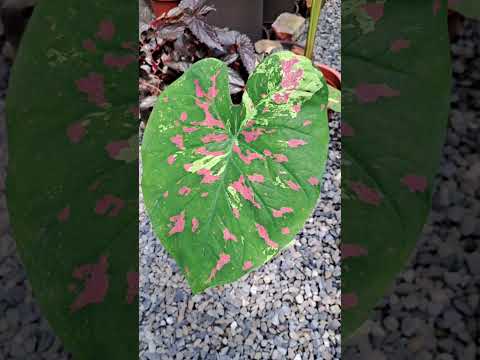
222 180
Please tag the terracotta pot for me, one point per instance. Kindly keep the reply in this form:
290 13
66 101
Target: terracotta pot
332 76
160 7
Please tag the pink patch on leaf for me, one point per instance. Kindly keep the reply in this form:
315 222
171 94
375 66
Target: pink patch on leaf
347 130
247 265
415 183
264 235
437 5
118 62
204 195
165 194
285 231
203 151
208 177
399 44
366 194
293 186
224 260
280 98
109 205
171 159
369 93
185 191
96 284
184 116
236 213
297 108
227 235
280 158
256 178
115 148
245 191
93 86
295 143
178 224
267 152
132 289
281 212
314 181
187 167
349 301
352 250
76 132
106 30
195 225
218 138
251 136
189 130
209 121
307 123
64 215
178 141
89 45
374 10
247 159
291 77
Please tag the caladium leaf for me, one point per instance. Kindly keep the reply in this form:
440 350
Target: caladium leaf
468 8
334 99
228 186
396 109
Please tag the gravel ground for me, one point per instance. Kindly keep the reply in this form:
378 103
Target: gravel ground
289 309
433 310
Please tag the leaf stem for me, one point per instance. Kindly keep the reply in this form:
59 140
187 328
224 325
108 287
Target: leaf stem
317 6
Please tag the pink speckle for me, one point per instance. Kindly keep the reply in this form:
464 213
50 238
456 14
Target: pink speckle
437 5
185 191
171 159
314 181
247 159
245 191
208 177
280 158
189 130
109 205
204 195
96 284
291 77
132 289
297 108
236 213
187 167
247 265
195 224
253 135
165 194
115 148
281 212
279 98
89 45
399 44
366 194
250 123
218 138
129 45
267 152
76 132
178 141
293 186
227 235
106 30
285 231
415 183
198 89
264 235
209 121
178 225
184 116
224 260
64 215
368 93
374 10
203 151
307 123
347 130
256 178
352 250
118 62
295 143
93 86
349 301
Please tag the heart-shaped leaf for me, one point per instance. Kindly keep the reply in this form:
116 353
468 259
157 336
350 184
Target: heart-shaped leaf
228 186
395 58
72 177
